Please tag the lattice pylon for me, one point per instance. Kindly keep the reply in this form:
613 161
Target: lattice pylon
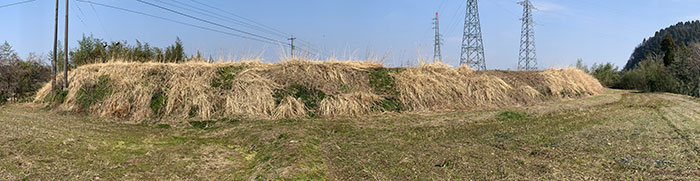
472 52
437 55
528 55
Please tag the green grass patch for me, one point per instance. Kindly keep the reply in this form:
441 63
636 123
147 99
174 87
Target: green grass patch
193 111
3 98
383 84
208 124
158 102
510 116
61 96
93 94
389 105
309 96
226 75
163 126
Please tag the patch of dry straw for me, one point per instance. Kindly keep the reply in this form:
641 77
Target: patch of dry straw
189 90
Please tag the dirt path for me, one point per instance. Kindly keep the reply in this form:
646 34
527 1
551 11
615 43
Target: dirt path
619 135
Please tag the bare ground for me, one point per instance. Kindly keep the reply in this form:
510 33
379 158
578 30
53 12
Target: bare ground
619 135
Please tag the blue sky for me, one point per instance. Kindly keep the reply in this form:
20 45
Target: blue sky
594 30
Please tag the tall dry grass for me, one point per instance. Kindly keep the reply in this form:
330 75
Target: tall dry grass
252 89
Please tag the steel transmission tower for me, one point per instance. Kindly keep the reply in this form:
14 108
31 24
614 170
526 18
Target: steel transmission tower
528 56
437 55
472 43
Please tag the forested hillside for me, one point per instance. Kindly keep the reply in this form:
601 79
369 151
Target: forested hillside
683 33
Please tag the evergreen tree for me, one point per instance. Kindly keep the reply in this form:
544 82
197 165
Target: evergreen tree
668 46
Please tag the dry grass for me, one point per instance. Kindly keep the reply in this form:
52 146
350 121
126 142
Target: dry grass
138 92
352 104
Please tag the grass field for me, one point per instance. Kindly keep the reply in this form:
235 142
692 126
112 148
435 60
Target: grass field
617 135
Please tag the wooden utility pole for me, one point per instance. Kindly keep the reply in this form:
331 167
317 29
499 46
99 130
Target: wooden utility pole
65 51
55 53
292 45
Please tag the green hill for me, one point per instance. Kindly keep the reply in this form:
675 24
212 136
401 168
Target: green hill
683 34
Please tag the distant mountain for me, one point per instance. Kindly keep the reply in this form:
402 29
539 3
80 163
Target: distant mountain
683 34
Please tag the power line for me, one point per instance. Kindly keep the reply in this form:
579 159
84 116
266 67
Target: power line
209 13
255 25
440 6
244 18
79 17
99 20
175 21
501 6
213 23
220 17
17 3
266 40
238 22
455 20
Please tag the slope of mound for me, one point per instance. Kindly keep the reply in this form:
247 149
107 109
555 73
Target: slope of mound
149 92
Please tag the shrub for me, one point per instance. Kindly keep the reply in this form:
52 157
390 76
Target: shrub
90 95
382 82
632 79
309 96
385 85
20 79
158 102
59 98
607 74
225 78
650 76
94 50
3 98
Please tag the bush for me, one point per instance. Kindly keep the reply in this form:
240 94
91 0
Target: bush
686 69
94 50
3 98
225 78
607 74
158 102
309 96
20 79
90 95
650 76
632 79
385 85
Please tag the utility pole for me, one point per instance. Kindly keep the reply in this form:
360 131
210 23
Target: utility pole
528 56
55 53
437 55
472 43
292 45
65 50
